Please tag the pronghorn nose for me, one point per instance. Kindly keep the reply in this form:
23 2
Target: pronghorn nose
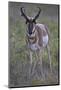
30 32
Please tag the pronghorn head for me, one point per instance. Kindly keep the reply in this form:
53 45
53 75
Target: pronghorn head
29 20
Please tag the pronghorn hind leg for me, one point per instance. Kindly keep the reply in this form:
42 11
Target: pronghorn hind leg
49 57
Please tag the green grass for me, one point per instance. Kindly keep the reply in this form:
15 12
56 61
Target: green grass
19 52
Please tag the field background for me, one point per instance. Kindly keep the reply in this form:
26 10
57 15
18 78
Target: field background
18 53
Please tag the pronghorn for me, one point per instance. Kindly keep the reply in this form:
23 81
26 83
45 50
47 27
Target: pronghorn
37 37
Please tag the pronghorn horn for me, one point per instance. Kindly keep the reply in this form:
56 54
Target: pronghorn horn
37 15
23 14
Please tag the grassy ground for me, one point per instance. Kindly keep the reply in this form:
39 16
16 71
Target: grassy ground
19 57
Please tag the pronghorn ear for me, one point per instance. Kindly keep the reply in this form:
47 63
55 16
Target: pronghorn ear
26 22
34 22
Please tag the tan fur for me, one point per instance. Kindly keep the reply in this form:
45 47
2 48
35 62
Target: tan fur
39 32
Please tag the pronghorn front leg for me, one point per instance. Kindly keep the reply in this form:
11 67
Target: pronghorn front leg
35 62
30 55
40 54
49 57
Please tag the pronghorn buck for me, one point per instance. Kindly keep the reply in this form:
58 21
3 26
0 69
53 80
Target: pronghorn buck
37 37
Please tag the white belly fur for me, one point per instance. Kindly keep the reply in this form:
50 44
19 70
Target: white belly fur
34 47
